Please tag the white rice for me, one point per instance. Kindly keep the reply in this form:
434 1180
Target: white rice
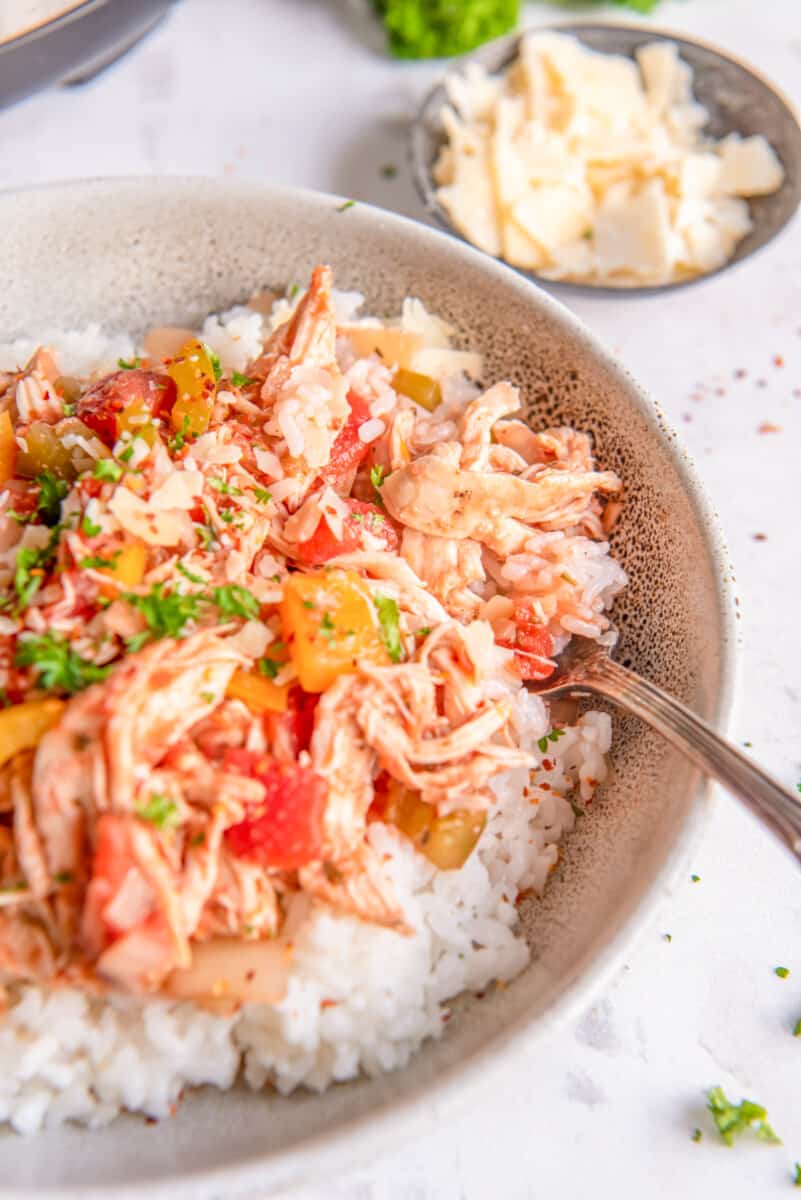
360 998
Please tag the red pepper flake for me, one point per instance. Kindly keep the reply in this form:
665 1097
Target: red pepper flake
740 373
547 765
250 975
769 427
326 1003
545 786
778 360
760 537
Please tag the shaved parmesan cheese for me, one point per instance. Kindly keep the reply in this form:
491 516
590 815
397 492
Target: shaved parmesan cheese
157 527
594 167
750 167
179 490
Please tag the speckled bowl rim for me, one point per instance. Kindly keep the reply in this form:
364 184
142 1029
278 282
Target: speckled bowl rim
426 190
360 1138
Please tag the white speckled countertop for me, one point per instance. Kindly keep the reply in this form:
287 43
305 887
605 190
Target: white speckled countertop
297 91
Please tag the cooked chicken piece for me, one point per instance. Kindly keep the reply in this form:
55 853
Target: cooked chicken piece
339 754
29 850
308 337
243 899
26 952
568 447
478 421
356 885
390 575
432 497
448 567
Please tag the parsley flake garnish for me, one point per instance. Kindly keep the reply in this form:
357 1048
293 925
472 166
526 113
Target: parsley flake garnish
268 667
159 811
239 380
69 410
178 439
797 1176
57 665
553 736
32 564
224 488
695 878
129 366
262 495
235 601
732 1120
214 359
189 574
344 207
52 491
797 1028
697 1135
166 614
377 476
389 621
389 171
97 560
63 877
89 528
107 470
327 626
127 454
782 972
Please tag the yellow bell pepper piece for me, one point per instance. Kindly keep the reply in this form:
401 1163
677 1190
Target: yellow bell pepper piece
193 374
446 841
423 389
258 692
8 447
329 624
23 726
129 564
396 347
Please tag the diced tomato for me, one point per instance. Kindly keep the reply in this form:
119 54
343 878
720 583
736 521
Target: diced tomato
363 517
533 647
285 829
100 407
302 707
348 450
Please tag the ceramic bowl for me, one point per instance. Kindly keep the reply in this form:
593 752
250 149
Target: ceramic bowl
736 97
129 253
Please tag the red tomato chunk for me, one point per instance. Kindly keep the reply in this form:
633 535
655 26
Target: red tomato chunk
100 407
285 830
348 450
363 517
533 647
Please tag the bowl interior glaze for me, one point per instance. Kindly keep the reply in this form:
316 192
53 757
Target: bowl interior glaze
130 253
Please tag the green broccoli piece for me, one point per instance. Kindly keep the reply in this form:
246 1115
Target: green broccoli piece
442 28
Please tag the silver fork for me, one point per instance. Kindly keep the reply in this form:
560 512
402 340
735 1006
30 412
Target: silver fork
585 668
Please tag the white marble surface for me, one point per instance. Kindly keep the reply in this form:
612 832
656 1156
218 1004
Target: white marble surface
296 91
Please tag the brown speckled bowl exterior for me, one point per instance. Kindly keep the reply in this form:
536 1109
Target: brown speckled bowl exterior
130 253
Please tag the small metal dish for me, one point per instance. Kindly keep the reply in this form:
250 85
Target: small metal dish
737 98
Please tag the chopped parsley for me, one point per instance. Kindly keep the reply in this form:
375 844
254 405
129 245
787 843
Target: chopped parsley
668 937
178 439
52 491
239 380
797 1028
797 1175
782 972
159 811
129 366
327 626
389 171
224 488
235 601
214 359
32 564
344 207
207 697
127 454
424 632
166 614
268 667
553 736
732 1120
197 839
57 665
309 604
97 561
227 515
107 470
262 495
695 878
293 291
63 877
189 574
205 534
377 478
68 410
697 1135
89 528
389 620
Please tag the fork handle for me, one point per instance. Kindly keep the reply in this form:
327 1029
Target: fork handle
764 796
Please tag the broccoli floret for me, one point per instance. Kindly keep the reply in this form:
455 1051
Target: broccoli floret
441 28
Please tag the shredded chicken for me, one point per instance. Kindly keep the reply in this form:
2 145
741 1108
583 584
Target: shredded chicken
244 634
